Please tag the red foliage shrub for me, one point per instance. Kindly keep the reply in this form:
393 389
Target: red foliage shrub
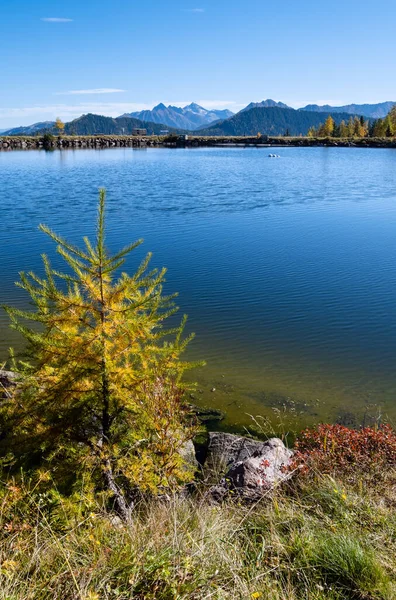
337 449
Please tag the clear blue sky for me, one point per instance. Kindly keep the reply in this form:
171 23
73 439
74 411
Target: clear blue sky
57 55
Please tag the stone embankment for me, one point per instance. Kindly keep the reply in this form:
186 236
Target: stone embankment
74 142
120 141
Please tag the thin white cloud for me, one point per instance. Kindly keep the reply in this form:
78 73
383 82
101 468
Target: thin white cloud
194 10
56 20
92 91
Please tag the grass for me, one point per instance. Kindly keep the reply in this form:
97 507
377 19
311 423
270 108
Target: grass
317 539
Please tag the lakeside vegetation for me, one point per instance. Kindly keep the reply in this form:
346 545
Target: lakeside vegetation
319 537
93 497
357 127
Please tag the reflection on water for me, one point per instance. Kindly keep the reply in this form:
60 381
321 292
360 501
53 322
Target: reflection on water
286 268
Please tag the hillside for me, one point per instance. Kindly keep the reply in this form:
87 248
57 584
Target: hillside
29 129
91 124
190 117
270 121
97 124
373 111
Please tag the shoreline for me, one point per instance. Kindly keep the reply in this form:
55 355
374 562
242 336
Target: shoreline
8 143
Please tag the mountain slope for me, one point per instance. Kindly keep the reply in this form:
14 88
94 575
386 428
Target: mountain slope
190 117
91 124
29 129
270 121
264 104
373 111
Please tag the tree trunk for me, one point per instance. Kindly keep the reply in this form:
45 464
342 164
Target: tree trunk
121 504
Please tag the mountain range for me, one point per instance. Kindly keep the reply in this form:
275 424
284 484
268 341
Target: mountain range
267 117
189 117
373 111
271 120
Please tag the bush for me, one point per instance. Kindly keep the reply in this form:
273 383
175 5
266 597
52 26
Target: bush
48 141
335 449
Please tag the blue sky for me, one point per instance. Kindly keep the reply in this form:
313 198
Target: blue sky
65 58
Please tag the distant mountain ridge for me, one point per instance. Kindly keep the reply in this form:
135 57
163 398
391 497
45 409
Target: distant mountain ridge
373 111
270 121
189 117
29 129
265 104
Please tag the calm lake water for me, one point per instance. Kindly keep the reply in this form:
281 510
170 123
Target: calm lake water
286 267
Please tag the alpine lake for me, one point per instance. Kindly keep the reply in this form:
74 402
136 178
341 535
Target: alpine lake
285 266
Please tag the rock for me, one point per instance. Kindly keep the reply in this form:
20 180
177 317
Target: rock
217 493
7 382
188 454
205 414
116 521
259 474
251 468
225 449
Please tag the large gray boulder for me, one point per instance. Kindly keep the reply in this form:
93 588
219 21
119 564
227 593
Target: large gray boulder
250 468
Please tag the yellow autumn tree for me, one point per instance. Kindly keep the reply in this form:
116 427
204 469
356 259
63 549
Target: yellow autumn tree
328 127
102 393
312 132
59 125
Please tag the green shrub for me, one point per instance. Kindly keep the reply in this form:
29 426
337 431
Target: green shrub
48 141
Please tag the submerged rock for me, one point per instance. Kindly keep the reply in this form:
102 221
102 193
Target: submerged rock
205 414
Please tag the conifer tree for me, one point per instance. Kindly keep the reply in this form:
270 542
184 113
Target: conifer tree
356 127
328 127
336 130
392 116
102 393
343 129
379 128
351 127
388 126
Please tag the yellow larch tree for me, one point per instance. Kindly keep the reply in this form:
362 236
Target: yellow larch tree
102 393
